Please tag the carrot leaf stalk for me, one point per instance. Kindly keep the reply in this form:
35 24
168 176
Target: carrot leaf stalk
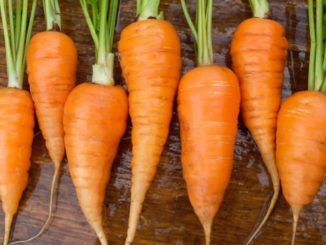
52 14
17 32
260 8
317 60
148 9
201 30
101 25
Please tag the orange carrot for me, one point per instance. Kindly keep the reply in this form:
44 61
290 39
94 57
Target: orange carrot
95 119
49 87
16 135
150 60
51 72
259 52
208 107
16 111
301 131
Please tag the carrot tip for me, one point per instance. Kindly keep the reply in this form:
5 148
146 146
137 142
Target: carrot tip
207 229
296 212
8 222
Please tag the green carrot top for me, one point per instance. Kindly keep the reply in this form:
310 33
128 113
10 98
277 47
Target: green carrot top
17 31
101 18
52 14
201 30
317 60
260 8
148 8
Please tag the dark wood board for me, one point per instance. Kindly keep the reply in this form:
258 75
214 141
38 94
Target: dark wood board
167 216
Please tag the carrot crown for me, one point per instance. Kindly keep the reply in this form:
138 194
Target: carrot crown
260 8
201 30
101 18
317 60
52 14
17 30
148 8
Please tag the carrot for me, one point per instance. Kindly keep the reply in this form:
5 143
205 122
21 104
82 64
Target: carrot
16 110
259 52
150 60
51 72
301 131
95 119
208 108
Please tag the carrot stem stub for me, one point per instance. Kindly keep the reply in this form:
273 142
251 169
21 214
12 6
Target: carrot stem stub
260 8
102 33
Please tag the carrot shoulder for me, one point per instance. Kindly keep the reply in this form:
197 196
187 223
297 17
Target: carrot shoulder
150 60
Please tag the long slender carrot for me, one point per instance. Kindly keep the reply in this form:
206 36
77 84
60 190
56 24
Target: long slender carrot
95 119
208 107
51 72
259 52
150 60
16 110
301 131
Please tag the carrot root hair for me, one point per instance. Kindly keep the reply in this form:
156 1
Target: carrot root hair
135 210
8 223
296 212
207 230
44 227
271 205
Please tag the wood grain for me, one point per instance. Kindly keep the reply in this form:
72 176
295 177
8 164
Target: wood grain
167 216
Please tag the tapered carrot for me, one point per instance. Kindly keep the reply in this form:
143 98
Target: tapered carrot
51 68
208 108
95 119
150 60
301 128
16 110
259 52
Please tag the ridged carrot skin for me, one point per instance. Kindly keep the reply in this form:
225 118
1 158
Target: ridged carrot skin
259 52
151 63
301 146
51 67
16 137
95 119
208 108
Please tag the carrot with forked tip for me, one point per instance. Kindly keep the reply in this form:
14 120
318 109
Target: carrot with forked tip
16 110
208 107
150 60
259 52
95 119
301 127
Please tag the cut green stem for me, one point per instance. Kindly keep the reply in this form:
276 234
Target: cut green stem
52 14
201 30
101 25
317 60
17 33
148 9
260 8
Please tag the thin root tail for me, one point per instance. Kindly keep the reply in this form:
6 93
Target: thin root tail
276 187
296 212
8 223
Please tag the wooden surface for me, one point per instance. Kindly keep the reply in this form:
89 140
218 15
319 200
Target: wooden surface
167 216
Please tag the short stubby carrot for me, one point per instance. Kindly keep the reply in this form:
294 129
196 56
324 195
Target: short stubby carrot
150 60
16 137
95 119
208 108
259 52
51 68
301 148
